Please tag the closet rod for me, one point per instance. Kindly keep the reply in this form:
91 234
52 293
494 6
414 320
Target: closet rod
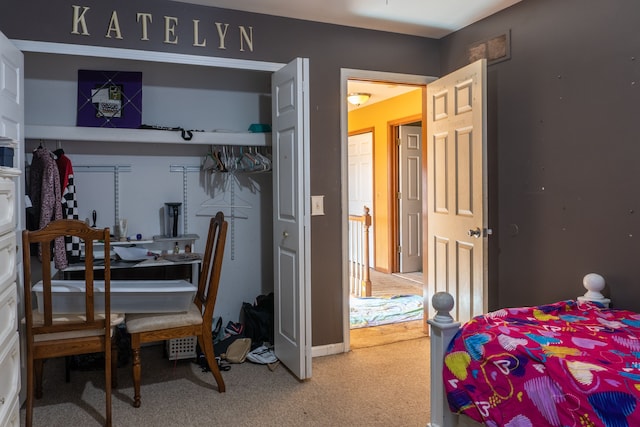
102 168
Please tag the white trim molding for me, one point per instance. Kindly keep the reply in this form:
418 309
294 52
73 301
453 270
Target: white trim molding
144 55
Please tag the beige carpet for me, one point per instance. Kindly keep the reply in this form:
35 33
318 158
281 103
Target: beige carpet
377 386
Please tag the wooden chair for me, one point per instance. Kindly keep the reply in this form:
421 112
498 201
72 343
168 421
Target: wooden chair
197 321
51 334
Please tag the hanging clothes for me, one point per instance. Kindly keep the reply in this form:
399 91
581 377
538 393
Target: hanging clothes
69 201
45 193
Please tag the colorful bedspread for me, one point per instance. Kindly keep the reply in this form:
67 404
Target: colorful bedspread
563 364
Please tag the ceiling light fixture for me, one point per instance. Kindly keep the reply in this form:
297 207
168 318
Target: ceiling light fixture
358 99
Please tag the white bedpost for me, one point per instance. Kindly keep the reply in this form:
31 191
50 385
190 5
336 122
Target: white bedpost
443 328
594 283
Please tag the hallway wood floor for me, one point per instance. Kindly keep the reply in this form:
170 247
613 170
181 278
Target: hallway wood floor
386 285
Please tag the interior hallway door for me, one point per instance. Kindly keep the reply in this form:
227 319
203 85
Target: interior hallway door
410 198
457 190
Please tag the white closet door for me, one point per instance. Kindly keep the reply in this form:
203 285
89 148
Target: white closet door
291 214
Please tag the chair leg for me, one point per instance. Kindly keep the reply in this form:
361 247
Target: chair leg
135 349
30 391
206 344
67 369
108 365
37 371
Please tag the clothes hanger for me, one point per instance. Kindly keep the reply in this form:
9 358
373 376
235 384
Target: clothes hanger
226 197
208 164
58 151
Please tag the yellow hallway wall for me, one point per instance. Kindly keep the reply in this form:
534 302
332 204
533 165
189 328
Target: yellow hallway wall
379 116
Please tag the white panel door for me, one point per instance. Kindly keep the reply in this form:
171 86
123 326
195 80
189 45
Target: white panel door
410 198
291 214
457 190
360 171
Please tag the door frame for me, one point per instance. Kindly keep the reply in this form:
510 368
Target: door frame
347 74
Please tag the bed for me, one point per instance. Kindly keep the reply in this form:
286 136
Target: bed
570 363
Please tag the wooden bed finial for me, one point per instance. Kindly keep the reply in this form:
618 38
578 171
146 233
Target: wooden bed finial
594 283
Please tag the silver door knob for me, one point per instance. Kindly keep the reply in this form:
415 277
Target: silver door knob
475 233
285 234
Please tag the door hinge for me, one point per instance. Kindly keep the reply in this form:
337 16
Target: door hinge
399 195
398 142
399 249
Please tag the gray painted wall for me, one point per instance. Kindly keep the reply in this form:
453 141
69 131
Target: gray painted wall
562 149
563 131
328 47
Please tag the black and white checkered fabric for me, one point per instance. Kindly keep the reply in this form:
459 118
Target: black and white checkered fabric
70 211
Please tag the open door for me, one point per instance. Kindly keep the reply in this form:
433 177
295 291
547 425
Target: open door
410 198
457 190
291 217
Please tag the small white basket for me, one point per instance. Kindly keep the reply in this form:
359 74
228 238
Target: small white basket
181 348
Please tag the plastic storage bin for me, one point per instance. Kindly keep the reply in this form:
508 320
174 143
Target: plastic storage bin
181 348
127 296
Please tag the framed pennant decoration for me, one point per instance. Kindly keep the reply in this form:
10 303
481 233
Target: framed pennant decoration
110 99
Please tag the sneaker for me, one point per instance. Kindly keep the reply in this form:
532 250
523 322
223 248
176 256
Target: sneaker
262 355
234 328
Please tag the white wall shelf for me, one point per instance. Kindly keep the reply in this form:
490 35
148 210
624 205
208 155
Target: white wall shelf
77 133
125 242
181 238
156 238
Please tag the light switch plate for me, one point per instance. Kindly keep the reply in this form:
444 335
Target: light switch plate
317 205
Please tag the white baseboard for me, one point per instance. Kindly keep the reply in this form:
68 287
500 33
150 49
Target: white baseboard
326 350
